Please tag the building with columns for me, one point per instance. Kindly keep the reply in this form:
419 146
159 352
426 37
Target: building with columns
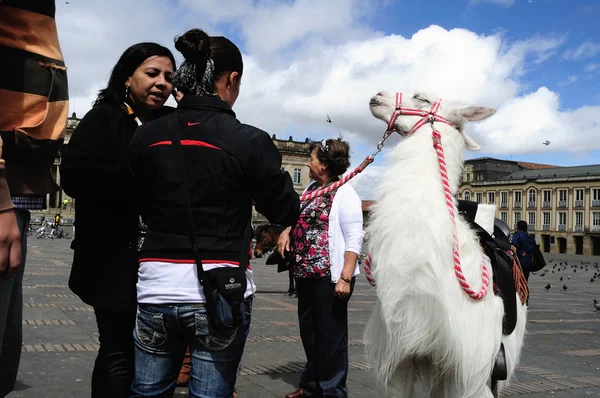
294 159
561 205
55 200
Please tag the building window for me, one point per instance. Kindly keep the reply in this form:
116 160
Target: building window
504 216
578 227
531 196
504 199
518 196
596 221
562 198
297 176
596 197
579 197
547 198
467 196
517 217
479 196
531 221
546 225
562 221
491 198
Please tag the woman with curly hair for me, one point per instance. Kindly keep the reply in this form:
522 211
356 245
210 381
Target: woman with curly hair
325 245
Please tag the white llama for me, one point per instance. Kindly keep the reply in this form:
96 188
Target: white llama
424 324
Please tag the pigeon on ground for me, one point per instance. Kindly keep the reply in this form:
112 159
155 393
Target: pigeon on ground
565 288
561 278
568 276
596 305
548 286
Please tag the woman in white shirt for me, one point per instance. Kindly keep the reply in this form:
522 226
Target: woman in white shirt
325 245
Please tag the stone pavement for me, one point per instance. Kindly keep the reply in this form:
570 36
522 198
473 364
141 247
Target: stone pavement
561 357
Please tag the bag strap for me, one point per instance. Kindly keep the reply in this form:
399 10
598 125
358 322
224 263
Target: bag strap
185 188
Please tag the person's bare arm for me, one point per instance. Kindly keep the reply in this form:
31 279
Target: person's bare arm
10 238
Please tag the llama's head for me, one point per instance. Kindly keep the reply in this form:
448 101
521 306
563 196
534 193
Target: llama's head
383 106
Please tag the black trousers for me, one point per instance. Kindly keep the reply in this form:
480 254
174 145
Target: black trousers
113 370
323 322
11 315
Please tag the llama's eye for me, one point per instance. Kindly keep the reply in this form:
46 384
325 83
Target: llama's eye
421 99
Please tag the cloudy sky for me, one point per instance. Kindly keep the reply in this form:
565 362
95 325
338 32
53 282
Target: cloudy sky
536 61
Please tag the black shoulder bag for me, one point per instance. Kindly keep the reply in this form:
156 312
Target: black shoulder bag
224 287
537 258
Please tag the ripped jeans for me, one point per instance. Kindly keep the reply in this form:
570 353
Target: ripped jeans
162 333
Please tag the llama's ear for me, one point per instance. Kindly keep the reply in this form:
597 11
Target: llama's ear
475 113
470 143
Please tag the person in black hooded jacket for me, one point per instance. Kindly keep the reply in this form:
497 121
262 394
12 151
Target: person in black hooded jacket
228 166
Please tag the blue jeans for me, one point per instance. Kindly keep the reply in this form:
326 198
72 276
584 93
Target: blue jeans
162 333
11 315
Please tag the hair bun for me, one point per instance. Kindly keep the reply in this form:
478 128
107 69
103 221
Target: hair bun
194 45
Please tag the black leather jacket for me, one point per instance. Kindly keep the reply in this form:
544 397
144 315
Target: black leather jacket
229 165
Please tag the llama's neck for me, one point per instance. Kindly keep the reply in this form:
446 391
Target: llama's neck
416 156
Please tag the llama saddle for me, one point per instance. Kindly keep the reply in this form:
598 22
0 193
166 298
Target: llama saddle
493 237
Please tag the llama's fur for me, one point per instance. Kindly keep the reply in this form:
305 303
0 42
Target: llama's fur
424 323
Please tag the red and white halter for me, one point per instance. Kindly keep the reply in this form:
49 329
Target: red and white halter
430 117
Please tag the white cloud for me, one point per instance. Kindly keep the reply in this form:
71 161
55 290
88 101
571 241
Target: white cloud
570 80
591 67
584 51
522 123
298 69
506 3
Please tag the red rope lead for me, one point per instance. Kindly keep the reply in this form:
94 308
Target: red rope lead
437 144
367 269
368 160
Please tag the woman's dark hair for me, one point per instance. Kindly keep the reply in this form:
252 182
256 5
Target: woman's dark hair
522 226
130 60
196 47
335 154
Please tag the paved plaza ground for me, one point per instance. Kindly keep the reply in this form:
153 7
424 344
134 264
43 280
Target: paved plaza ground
561 357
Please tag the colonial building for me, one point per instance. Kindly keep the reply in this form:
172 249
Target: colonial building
561 205
56 199
294 159
295 156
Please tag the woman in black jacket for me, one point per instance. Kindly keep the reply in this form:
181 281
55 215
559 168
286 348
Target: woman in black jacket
228 165
93 171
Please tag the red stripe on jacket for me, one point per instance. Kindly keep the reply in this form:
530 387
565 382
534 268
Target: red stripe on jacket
187 143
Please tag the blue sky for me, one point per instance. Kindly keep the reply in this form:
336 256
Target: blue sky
576 21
